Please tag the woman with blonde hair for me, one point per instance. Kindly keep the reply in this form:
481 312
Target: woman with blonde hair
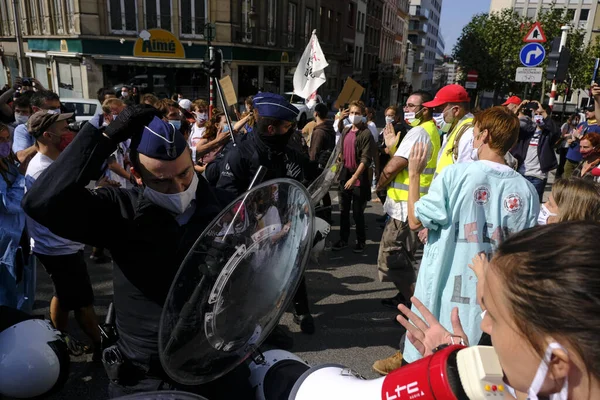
213 140
572 199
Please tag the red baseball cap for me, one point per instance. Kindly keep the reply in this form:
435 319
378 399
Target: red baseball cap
449 94
512 100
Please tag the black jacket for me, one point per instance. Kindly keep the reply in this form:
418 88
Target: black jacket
241 163
545 148
322 139
146 242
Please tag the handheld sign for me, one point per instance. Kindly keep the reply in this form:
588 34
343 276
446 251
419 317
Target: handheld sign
351 91
228 91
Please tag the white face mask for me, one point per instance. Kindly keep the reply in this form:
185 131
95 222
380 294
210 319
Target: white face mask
540 377
201 117
389 120
538 119
177 202
475 153
409 117
21 119
544 215
442 125
355 119
124 94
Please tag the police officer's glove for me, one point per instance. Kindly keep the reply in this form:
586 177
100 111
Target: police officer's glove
130 122
324 158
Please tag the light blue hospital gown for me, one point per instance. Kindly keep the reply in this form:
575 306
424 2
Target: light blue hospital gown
470 208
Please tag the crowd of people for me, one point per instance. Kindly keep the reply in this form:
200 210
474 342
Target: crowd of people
142 179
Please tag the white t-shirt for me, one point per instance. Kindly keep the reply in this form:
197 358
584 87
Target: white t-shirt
399 209
195 135
119 155
373 129
42 240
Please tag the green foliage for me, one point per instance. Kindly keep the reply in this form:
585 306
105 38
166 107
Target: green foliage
490 44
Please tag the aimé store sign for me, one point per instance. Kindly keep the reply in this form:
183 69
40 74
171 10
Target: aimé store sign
158 43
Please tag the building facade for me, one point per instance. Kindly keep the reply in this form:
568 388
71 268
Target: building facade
75 47
372 41
583 13
424 34
359 39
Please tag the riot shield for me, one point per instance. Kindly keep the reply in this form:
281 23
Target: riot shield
236 282
320 186
163 395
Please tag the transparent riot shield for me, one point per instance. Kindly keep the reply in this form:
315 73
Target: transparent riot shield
320 186
236 282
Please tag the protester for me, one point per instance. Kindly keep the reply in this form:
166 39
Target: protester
469 209
150 100
248 118
398 242
571 199
322 143
355 183
589 147
212 142
105 94
567 131
550 326
534 150
200 108
452 114
62 258
574 157
513 104
17 278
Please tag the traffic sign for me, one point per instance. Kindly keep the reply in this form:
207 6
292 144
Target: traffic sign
532 54
472 76
470 85
529 74
535 34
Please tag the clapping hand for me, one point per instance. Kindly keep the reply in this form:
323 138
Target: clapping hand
389 136
479 264
429 334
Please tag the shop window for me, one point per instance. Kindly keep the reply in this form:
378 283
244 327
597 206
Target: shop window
193 17
271 21
158 14
291 24
69 80
122 15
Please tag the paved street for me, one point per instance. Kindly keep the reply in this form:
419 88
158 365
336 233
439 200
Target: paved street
353 328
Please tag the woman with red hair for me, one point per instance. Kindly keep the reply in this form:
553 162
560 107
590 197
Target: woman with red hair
589 147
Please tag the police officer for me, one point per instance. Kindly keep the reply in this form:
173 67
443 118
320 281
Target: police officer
148 230
268 147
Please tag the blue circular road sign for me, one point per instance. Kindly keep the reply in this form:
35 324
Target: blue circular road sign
532 54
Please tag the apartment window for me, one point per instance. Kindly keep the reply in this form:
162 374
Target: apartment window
531 12
291 24
31 17
246 29
158 14
271 21
193 17
584 14
570 14
57 17
308 21
6 15
70 15
122 16
351 15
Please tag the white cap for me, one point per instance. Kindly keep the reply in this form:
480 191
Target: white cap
186 104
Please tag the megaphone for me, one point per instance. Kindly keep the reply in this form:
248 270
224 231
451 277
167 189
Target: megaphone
453 373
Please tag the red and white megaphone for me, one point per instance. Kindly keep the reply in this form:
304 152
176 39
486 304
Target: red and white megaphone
453 373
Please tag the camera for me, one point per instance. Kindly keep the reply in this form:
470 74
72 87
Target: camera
26 82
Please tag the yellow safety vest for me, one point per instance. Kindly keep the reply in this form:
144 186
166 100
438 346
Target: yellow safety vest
398 189
447 153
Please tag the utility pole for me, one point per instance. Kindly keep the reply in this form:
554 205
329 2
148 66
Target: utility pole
19 39
563 43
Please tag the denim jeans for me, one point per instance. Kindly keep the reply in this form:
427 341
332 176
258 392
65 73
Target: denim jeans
539 184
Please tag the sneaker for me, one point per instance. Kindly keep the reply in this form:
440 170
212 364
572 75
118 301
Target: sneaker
306 322
389 364
279 339
359 248
75 347
339 245
393 302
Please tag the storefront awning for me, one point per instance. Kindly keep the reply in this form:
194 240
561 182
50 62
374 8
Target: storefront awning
147 61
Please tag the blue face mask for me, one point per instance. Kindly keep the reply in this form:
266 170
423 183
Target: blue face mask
176 123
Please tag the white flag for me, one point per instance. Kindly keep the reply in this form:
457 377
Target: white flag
310 73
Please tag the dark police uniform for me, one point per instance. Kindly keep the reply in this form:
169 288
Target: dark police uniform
146 241
283 161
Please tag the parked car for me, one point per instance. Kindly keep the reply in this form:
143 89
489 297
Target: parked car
84 109
305 113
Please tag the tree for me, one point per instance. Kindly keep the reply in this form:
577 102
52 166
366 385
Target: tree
491 43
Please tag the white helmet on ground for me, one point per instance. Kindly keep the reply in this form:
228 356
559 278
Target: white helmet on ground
35 359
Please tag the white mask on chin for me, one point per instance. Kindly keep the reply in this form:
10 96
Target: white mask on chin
177 203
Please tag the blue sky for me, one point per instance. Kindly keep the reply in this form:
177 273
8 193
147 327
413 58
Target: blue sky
455 15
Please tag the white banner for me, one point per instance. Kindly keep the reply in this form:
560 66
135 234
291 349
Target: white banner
310 73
